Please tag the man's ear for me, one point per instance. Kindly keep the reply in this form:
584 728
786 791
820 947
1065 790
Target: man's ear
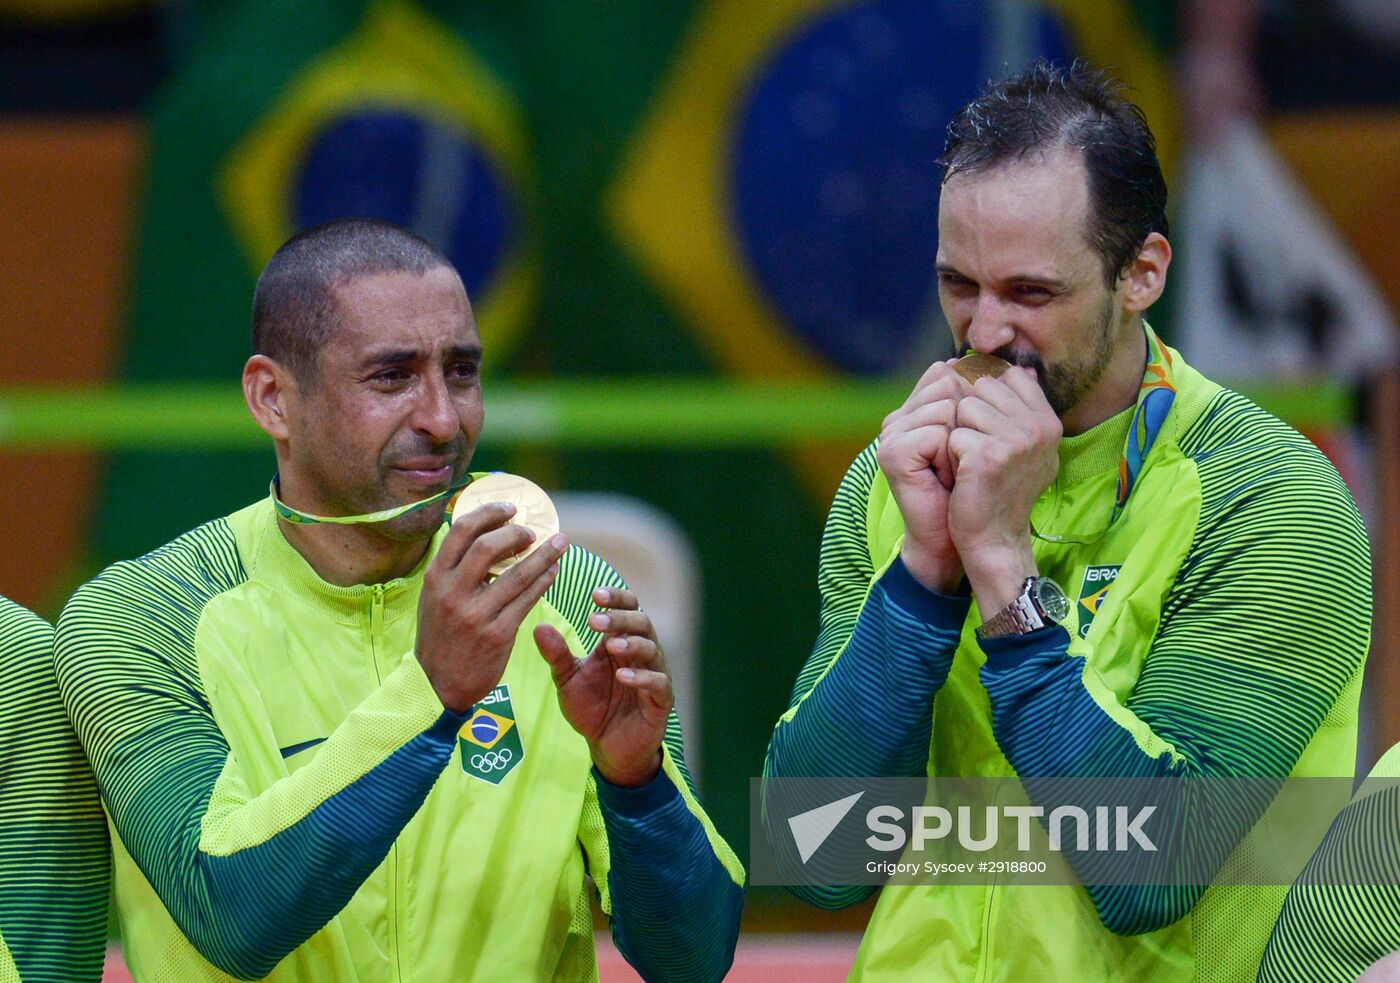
1147 277
271 394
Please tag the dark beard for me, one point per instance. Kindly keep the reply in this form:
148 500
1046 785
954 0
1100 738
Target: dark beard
1065 384
416 525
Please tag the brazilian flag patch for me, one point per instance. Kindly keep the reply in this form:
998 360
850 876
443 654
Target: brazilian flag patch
490 740
1093 592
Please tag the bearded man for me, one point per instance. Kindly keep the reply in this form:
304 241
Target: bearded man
1185 524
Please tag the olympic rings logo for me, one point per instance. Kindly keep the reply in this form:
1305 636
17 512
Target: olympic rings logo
492 760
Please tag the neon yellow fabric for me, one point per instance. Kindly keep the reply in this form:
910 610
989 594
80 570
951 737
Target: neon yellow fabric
8 972
1232 514
1342 915
55 866
305 693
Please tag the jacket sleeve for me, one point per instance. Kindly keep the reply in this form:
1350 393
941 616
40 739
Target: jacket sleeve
1264 629
1343 912
671 886
248 878
863 702
53 838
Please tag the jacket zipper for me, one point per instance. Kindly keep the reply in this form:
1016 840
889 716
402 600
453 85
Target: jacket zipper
376 643
989 918
984 972
376 624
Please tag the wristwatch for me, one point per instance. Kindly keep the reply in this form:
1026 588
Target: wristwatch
1040 603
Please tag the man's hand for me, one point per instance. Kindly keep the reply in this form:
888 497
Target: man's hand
619 697
466 622
914 456
1005 450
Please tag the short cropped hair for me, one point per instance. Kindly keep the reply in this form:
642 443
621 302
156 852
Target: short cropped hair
293 311
1047 108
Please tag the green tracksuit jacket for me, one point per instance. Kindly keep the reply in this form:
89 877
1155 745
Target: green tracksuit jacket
1343 914
1219 628
54 859
290 800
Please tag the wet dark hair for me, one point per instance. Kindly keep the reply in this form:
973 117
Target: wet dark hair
293 310
1048 108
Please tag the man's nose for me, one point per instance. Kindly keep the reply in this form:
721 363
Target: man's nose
435 416
990 329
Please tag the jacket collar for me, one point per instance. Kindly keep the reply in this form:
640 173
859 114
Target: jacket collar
276 563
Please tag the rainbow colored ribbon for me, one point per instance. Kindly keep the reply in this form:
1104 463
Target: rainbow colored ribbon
1154 404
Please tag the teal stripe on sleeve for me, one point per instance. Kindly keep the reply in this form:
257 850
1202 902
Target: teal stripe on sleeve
1240 675
675 908
54 856
127 669
863 702
1343 914
571 594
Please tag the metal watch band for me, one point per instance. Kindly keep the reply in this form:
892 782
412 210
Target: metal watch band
1017 618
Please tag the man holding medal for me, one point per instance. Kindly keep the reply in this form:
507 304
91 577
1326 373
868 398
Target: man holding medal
338 739
1090 565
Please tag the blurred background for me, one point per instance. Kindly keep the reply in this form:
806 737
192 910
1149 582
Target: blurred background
699 237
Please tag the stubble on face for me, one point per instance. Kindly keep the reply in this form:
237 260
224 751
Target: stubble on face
1010 227
362 490
1066 381
424 522
341 413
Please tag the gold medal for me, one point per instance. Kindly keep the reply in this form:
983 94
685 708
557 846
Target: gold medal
533 509
976 366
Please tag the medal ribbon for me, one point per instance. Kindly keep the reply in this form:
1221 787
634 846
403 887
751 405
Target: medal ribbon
383 515
1154 403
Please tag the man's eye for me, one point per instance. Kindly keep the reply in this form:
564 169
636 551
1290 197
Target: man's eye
952 281
391 377
1033 293
462 371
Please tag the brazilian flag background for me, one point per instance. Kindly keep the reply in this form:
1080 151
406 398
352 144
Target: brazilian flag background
631 188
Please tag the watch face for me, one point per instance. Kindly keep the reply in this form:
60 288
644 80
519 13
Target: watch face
1051 599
